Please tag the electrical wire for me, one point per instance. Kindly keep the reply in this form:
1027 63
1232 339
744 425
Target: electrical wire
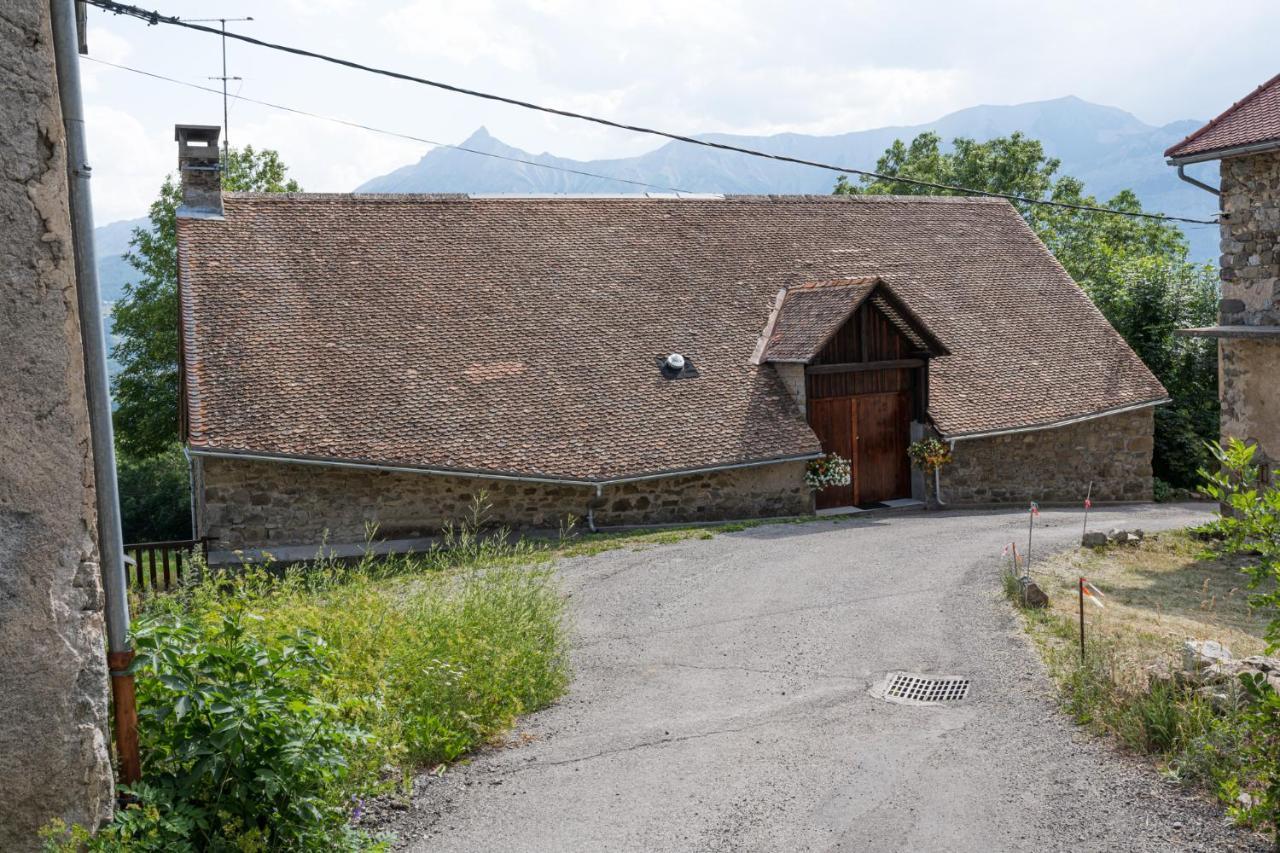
154 17
394 133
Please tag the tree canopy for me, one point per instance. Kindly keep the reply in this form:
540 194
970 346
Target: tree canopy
1135 270
145 320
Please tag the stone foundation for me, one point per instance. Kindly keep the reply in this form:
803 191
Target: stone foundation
252 504
1056 465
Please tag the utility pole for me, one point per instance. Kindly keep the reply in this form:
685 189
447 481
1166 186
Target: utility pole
226 129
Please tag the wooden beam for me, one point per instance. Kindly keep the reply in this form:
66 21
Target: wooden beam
855 366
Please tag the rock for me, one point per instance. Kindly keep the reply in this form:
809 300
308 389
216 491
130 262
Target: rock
1130 539
1262 663
1032 595
1197 655
1093 539
1138 532
1115 534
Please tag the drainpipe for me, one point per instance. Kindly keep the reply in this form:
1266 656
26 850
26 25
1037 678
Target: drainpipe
937 479
591 509
66 45
1183 176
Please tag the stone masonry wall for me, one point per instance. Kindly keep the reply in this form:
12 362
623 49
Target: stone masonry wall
53 679
1251 240
1056 465
252 504
1249 377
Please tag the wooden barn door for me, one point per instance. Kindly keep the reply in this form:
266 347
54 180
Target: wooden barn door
871 431
883 428
833 421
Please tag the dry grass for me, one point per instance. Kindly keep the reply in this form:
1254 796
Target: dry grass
1158 594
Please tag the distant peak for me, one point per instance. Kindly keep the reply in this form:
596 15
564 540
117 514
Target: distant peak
481 135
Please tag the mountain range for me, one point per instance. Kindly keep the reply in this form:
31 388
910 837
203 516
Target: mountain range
1106 147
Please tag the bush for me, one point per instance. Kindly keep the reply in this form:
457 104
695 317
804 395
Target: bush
273 699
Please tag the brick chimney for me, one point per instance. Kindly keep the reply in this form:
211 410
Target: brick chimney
200 166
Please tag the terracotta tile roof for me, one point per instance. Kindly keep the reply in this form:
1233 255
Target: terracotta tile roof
1252 120
520 335
810 313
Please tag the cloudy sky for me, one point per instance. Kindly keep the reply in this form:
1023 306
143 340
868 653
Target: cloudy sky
690 66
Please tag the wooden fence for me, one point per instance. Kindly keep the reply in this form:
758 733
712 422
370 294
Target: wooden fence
160 566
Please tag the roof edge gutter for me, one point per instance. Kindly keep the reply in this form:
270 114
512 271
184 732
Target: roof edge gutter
493 475
1224 153
1120 410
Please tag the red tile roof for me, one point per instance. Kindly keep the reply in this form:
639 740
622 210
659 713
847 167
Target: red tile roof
520 335
812 312
1253 120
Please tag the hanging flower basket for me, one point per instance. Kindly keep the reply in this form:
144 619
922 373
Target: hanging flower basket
830 470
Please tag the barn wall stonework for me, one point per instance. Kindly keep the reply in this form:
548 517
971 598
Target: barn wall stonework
1248 386
1056 465
53 674
252 504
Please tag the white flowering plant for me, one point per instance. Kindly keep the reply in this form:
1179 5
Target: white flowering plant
830 470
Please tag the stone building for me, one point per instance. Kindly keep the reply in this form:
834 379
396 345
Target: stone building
53 675
350 359
1246 141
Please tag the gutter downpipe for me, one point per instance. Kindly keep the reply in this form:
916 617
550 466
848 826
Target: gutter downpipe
66 45
1183 176
591 510
937 479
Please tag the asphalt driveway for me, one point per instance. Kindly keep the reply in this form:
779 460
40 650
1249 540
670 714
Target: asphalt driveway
722 702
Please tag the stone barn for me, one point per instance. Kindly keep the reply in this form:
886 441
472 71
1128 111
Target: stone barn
355 359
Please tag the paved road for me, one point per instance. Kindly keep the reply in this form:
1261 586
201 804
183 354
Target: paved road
721 702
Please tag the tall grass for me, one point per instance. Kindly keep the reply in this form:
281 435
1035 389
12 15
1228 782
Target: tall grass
431 654
1193 738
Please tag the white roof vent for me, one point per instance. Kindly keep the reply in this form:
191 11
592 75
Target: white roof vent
675 366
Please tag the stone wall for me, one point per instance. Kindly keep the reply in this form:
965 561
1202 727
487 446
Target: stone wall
53 679
1251 240
1056 465
1248 369
252 504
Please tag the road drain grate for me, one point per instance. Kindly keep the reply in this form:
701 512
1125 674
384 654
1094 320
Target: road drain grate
925 689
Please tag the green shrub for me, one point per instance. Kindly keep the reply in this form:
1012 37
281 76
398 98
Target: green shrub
272 699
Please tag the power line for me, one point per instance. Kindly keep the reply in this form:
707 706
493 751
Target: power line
154 18
372 129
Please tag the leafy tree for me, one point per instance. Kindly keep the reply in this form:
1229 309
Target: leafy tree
145 321
1136 270
155 496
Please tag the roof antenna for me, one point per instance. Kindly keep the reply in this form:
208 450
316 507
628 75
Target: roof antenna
226 129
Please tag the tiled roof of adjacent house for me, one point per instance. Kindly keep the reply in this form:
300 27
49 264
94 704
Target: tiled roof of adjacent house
811 313
521 335
1253 120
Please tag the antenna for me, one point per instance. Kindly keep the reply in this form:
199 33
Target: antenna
226 129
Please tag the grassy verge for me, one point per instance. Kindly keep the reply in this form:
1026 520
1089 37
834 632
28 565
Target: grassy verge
1158 594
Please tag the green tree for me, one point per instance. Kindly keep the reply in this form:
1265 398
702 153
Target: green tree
1136 270
145 320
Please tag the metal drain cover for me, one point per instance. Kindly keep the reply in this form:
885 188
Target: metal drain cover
912 688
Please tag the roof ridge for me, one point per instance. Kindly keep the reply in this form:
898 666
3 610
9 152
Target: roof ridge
1217 120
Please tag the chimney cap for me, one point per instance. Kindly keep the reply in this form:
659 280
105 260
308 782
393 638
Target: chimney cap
195 131
197 143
